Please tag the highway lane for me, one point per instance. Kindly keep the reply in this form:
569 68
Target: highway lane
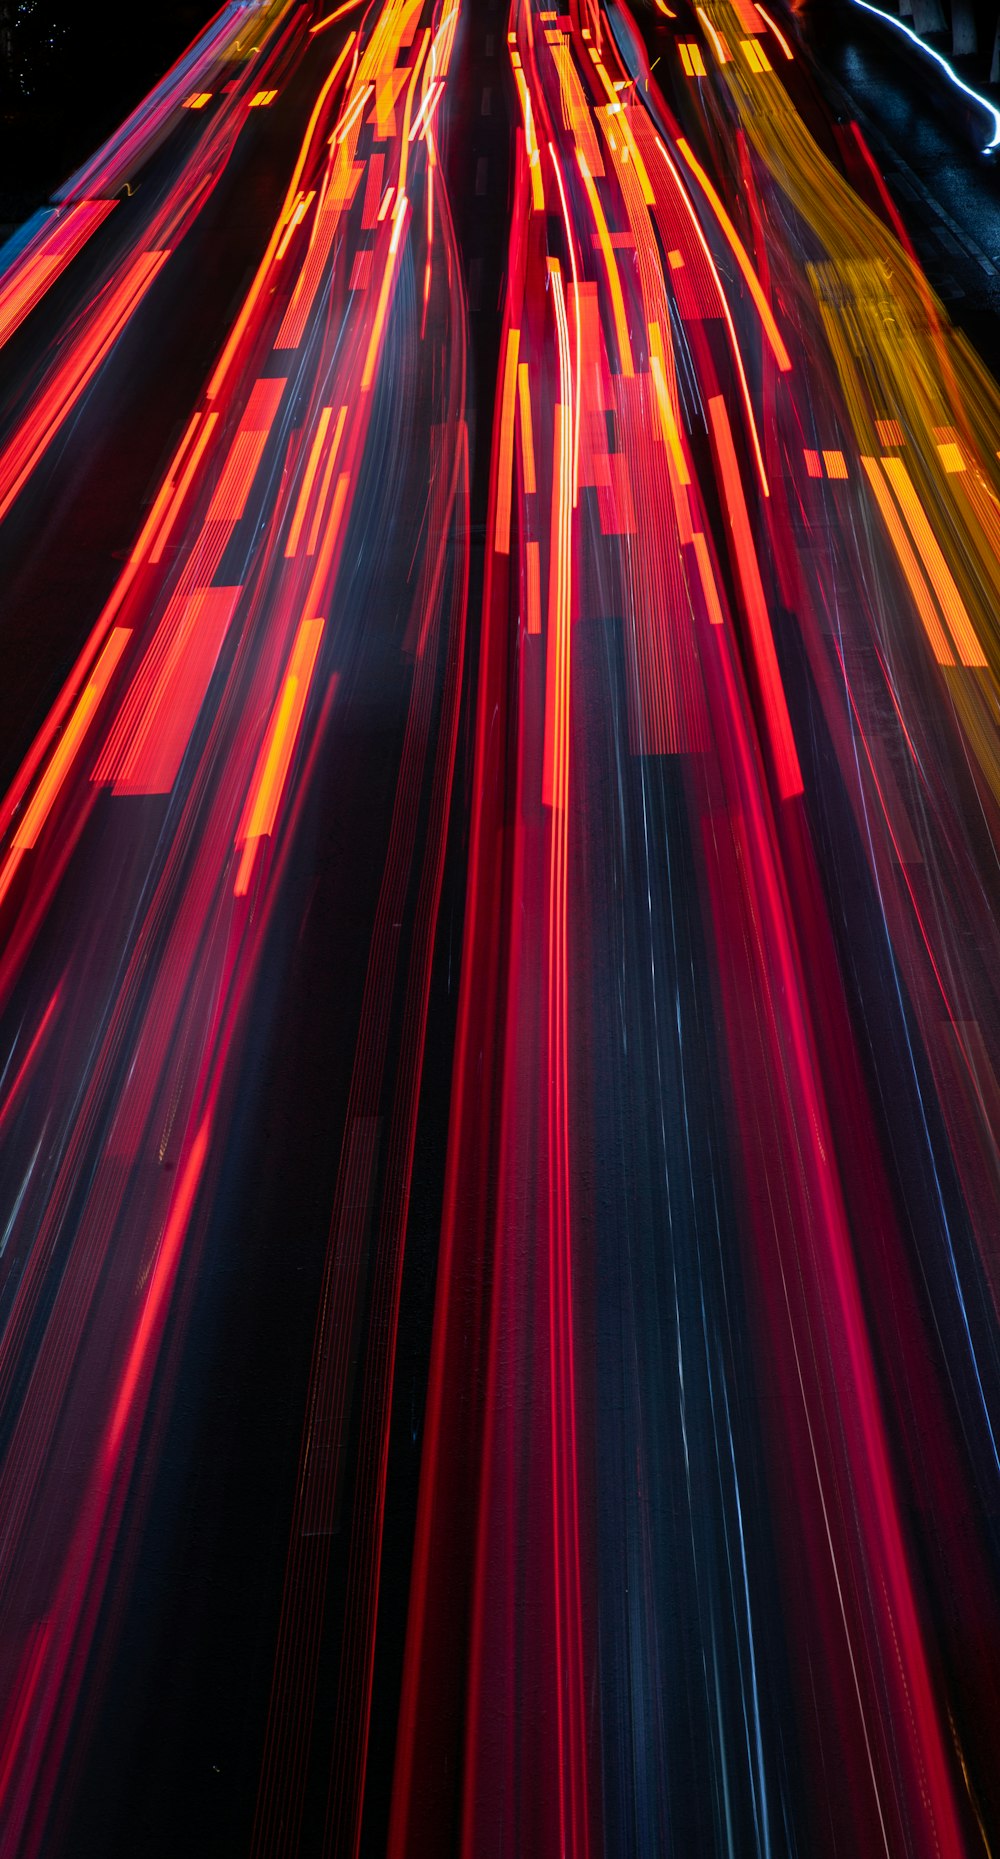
155 805
700 1553
731 942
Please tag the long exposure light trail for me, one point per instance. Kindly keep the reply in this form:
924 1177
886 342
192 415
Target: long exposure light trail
245 666
499 968
669 817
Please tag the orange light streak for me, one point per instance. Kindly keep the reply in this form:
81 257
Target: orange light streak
230 495
950 600
527 438
922 599
331 18
950 455
530 141
444 41
164 493
557 643
324 489
671 434
559 301
330 531
727 314
782 41
278 748
9 869
555 751
236 480
52 407
709 588
428 105
629 152
505 456
353 113
575 108
568 1661
378 321
691 58
722 51
42 800
406 138
600 68
291 200
182 489
755 56
786 759
299 514
836 464
147 744
339 188
39 269
753 284
301 209
611 269
431 164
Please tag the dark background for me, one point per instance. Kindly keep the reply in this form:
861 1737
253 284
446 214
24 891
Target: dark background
69 73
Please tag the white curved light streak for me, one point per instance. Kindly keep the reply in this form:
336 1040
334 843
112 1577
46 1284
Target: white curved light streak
959 84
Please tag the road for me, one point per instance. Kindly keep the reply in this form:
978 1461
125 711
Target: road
498 962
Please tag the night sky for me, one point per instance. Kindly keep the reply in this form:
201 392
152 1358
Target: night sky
68 75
